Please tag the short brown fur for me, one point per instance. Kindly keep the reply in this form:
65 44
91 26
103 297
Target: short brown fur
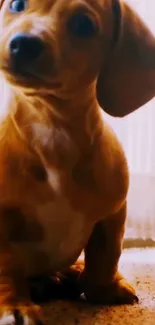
63 174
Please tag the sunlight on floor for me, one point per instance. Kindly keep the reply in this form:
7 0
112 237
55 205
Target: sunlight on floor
146 256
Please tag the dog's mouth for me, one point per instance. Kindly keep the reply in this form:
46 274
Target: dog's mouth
28 76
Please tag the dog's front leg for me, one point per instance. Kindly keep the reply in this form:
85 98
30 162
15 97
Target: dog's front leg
15 305
101 280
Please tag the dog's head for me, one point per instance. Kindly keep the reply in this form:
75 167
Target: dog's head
64 45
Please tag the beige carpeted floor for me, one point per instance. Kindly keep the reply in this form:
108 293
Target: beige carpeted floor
139 267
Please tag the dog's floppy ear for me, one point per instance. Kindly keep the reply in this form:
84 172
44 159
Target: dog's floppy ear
128 80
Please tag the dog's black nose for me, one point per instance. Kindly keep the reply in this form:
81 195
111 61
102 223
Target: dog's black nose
25 47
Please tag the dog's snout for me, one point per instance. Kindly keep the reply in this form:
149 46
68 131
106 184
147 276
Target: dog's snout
25 47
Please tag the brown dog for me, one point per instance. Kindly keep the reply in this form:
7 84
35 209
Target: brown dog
63 173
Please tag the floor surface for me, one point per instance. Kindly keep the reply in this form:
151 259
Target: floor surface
139 267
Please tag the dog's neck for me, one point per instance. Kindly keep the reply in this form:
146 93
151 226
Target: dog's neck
50 124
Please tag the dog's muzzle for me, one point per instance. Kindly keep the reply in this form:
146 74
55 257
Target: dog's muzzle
24 49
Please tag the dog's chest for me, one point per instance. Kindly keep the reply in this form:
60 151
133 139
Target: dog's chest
65 232
62 233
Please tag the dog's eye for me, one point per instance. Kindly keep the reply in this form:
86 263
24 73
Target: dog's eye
18 5
81 25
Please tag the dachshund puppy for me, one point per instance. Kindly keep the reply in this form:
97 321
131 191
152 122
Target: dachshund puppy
63 174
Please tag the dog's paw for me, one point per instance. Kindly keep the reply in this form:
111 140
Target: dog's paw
119 292
20 315
63 285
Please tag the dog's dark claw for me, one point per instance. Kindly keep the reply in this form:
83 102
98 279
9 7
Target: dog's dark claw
18 317
135 299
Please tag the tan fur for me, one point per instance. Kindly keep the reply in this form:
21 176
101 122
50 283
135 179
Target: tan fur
63 173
